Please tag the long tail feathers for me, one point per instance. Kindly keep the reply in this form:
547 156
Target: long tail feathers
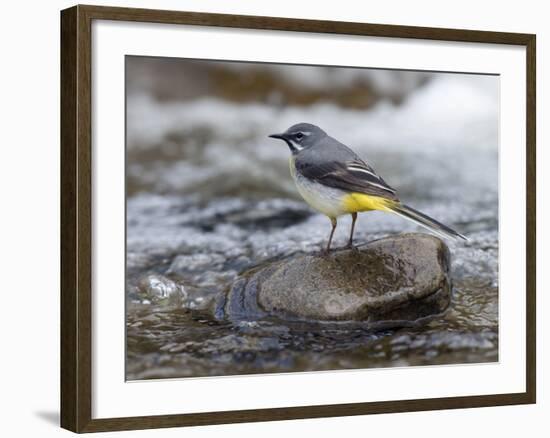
426 221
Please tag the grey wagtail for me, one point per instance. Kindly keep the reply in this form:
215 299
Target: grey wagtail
336 181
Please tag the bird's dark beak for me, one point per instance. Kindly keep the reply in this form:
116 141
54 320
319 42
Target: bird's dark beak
279 136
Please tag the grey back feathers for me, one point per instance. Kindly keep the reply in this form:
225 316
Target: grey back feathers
324 159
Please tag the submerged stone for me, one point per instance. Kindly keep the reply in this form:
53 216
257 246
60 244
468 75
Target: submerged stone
393 281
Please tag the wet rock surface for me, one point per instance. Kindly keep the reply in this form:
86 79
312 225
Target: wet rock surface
393 281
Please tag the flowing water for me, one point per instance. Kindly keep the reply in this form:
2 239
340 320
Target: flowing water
210 197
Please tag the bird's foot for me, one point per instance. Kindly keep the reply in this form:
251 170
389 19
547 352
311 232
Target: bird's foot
351 247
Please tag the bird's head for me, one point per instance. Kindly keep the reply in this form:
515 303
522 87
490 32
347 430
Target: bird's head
301 136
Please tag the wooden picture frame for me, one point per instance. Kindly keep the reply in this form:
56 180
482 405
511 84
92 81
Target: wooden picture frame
76 217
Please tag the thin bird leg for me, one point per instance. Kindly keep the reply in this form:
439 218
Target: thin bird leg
333 221
353 219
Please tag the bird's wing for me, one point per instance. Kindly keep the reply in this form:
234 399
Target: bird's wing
354 176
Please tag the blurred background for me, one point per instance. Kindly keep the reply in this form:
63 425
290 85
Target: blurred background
209 196
183 115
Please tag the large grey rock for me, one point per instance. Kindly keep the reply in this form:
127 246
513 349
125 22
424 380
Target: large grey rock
392 281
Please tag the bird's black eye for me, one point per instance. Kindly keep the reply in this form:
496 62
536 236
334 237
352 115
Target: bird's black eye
299 136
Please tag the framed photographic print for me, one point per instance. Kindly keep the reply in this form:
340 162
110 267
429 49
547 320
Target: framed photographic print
268 218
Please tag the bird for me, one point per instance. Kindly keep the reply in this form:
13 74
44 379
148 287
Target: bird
335 181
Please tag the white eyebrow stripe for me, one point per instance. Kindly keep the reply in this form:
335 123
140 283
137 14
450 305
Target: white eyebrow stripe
306 132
